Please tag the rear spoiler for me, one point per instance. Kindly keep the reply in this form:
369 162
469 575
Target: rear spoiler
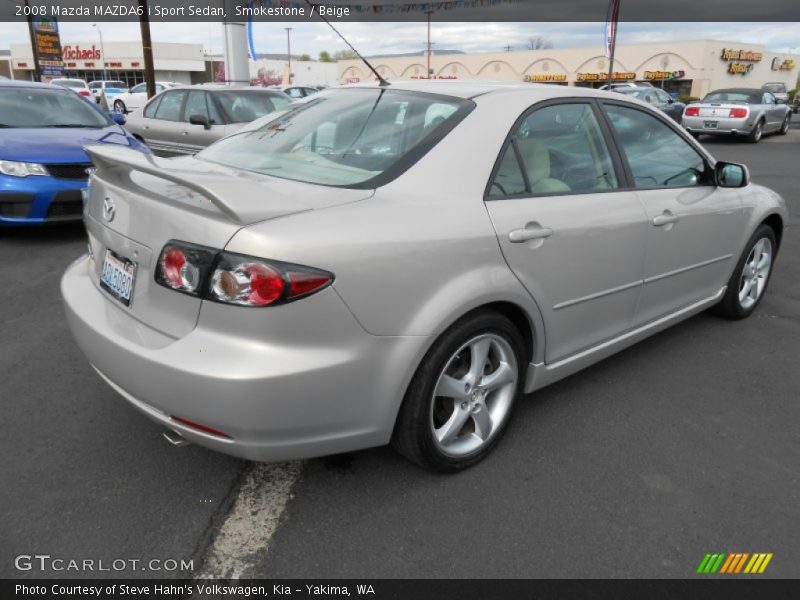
111 156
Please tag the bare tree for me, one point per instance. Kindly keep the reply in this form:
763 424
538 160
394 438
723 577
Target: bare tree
539 42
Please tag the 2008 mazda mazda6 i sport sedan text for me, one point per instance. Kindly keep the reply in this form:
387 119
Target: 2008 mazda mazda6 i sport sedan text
399 264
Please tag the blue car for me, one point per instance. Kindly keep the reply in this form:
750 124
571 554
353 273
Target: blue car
43 165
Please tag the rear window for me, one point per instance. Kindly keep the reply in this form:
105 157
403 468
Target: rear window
779 88
43 107
742 97
351 138
70 83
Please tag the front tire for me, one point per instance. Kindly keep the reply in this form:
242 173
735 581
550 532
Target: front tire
750 278
119 106
463 393
785 126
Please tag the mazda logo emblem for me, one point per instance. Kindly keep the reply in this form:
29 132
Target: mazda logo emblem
109 210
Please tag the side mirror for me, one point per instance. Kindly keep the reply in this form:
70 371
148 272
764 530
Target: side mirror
671 100
118 118
731 175
200 120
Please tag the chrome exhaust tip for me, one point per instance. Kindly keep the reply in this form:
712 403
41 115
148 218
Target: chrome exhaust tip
176 439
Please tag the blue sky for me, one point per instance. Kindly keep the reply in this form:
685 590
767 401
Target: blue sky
379 38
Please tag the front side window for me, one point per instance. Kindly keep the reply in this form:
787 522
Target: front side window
170 107
201 103
347 137
556 149
657 154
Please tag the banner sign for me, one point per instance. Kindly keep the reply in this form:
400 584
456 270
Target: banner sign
48 47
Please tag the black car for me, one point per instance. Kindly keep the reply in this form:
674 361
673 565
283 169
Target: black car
658 98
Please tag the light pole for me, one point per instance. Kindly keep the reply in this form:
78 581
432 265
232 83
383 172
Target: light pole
428 53
289 51
102 50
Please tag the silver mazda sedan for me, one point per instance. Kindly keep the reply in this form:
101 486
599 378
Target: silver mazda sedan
400 264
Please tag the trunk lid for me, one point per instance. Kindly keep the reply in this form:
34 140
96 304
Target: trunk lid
137 203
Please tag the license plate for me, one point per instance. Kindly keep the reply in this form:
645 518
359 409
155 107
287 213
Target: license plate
117 276
710 124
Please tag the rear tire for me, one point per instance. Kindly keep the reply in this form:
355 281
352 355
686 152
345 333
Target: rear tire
750 278
755 136
463 393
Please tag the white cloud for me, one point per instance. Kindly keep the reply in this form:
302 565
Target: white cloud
388 38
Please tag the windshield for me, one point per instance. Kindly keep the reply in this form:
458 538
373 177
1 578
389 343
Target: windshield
246 106
780 88
42 107
345 138
70 83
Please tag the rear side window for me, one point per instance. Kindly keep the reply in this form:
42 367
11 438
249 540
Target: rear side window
170 107
556 149
657 154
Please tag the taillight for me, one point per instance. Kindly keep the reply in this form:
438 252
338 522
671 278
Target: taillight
183 267
235 278
738 113
85 93
692 111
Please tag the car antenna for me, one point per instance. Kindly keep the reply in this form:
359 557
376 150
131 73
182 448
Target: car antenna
383 82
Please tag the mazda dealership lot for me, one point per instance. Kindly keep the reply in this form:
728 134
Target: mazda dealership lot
637 467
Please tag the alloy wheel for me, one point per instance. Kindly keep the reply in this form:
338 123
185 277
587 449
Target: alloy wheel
473 395
755 273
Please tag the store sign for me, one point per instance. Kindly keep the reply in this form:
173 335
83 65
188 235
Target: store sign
48 47
544 77
604 76
741 61
741 55
779 64
78 53
651 75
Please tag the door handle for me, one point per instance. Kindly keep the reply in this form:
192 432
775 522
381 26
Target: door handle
526 234
665 218
184 133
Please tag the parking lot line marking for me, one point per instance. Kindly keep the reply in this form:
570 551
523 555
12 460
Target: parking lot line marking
262 497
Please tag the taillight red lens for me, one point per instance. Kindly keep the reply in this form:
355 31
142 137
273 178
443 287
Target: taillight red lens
172 261
692 111
738 113
85 93
301 284
266 284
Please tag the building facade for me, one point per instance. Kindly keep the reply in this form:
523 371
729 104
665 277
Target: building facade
691 68
182 63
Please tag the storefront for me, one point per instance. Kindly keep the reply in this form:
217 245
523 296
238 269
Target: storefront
123 61
683 69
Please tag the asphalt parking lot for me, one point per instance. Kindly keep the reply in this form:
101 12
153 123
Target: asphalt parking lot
685 444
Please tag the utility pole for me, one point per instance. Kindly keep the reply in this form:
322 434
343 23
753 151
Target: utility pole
507 47
147 50
289 52
612 24
429 47
37 72
102 50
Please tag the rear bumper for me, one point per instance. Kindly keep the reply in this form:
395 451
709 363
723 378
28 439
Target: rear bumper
36 200
328 388
723 126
